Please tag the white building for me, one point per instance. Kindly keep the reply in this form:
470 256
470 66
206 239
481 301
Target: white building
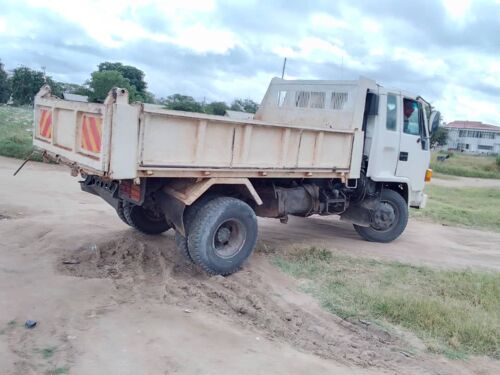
473 137
75 97
238 115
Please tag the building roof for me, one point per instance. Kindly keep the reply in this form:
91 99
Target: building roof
239 115
75 97
475 125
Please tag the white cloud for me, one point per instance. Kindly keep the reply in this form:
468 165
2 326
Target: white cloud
462 104
113 23
420 62
458 10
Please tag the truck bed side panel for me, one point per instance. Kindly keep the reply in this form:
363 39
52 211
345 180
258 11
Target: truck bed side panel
170 140
77 131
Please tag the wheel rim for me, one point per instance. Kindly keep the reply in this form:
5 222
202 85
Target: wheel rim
229 238
152 215
385 217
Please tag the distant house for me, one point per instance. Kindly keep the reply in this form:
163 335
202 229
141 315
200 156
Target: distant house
473 137
239 115
75 97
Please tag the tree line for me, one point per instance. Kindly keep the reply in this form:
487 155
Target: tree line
20 88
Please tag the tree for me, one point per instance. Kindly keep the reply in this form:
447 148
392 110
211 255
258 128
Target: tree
5 88
216 108
25 84
135 76
56 88
180 102
101 82
74 88
244 105
439 137
145 97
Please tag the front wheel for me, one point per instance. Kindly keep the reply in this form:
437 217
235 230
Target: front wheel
388 220
144 219
222 235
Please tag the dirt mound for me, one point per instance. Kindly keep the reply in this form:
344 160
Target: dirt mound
144 267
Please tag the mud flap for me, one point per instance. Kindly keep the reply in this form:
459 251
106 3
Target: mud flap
173 209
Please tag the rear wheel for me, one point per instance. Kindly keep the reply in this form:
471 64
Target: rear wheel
145 220
121 214
389 219
189 215
222 235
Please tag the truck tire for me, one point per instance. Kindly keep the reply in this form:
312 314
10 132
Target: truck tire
121 214
388 221
222 235
189 215
144 220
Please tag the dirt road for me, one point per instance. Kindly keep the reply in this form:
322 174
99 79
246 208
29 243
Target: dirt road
112 301
460 182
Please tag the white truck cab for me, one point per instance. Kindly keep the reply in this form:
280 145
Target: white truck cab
397 142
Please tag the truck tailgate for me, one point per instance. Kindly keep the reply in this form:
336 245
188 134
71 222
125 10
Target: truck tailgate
76 131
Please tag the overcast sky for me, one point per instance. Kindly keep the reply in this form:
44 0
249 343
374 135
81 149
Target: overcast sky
447 51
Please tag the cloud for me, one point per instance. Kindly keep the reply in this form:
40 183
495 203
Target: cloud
446 51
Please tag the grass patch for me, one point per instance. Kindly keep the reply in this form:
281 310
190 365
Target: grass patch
11 324
16 135
59 371
466 165
48 352
471 207
456 313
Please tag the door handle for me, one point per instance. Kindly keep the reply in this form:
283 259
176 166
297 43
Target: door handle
419 139
403 156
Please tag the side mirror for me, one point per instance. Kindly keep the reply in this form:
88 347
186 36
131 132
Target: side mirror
434 121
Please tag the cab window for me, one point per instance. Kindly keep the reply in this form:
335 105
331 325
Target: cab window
392 112
411 117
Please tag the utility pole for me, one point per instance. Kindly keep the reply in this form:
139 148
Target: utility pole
283 70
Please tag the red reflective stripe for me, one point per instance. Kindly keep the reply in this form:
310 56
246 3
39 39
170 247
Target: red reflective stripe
48 126
43 122
95 134
85 136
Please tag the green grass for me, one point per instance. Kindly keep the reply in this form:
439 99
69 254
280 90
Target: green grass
470 207
59 371
456 313
16 132
48 352
466 165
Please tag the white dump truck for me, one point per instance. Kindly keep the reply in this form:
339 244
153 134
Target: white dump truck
349 148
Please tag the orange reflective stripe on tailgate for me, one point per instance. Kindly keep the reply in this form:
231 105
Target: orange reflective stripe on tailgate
91 133
45 123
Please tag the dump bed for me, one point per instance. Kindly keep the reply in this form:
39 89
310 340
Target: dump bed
302 129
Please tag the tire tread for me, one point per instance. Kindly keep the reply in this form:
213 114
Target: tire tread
208 213
372 235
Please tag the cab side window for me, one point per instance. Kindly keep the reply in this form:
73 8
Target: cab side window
392 112
411 117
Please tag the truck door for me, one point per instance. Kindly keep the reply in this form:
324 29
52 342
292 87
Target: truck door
414 154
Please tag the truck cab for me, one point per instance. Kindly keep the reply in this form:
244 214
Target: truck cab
397 143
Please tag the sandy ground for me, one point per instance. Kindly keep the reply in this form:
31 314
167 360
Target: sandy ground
112 301
456 181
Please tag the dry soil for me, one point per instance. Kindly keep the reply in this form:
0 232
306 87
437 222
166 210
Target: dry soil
109 300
